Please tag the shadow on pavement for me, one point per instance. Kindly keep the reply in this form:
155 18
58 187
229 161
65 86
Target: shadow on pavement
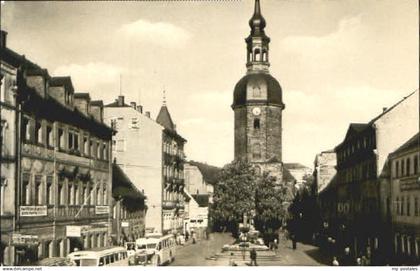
318 256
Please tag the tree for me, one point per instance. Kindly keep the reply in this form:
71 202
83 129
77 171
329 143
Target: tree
272 198
234 195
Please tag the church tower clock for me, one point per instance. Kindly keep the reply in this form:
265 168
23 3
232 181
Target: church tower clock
258 104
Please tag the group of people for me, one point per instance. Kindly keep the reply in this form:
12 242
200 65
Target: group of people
348 260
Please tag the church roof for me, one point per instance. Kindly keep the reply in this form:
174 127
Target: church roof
164 118
274 91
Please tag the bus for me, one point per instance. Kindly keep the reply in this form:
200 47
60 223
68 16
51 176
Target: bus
109 256
163 248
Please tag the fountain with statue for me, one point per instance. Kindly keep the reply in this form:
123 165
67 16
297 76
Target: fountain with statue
248 238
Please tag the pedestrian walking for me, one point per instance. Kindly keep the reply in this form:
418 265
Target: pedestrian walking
187 235
253 257
276 245
294 244
347 259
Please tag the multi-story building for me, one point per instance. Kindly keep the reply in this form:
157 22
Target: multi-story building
324 176
137 149
325 163
151 154
62 186
8 91
199 181
129 208
173 173
402 203
361 160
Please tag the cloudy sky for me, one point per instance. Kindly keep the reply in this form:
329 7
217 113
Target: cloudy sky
337 61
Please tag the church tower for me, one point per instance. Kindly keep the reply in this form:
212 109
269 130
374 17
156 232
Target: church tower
258 104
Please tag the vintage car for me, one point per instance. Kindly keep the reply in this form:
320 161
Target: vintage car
141 257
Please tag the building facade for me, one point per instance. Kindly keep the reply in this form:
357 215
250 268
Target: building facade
129 208
199 181
173 173
151 154
137 149
63 167
324 172
402 203
361 161
258 105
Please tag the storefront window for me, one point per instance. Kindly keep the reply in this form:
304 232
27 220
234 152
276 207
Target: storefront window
26 189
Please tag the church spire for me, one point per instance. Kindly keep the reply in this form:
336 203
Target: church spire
257 43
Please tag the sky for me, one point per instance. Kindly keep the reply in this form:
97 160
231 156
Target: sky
337 61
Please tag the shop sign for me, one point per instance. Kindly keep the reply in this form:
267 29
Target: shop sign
33 210
410 184
100 210
125 224
73 231
22 239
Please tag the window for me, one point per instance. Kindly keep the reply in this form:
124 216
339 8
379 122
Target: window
402 206
407 171
38 190
61 143
98 196
397 169
105 201
92 196
71 193
50 142
408 209
256 91
416 206
105 152
50 191
26 129
38 132
98 150
61 192
77 194
257 124
92 148
26 189
134 123
397 206
402 168
86 145
416 164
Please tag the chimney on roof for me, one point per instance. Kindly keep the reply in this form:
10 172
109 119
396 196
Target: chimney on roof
133 105
384 109
120 100
140 108
3 38
148 114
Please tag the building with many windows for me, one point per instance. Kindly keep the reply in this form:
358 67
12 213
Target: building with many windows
151 154
173 173
137 149
361 167
402 202
62 185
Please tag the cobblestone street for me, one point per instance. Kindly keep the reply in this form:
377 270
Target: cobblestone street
208 253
